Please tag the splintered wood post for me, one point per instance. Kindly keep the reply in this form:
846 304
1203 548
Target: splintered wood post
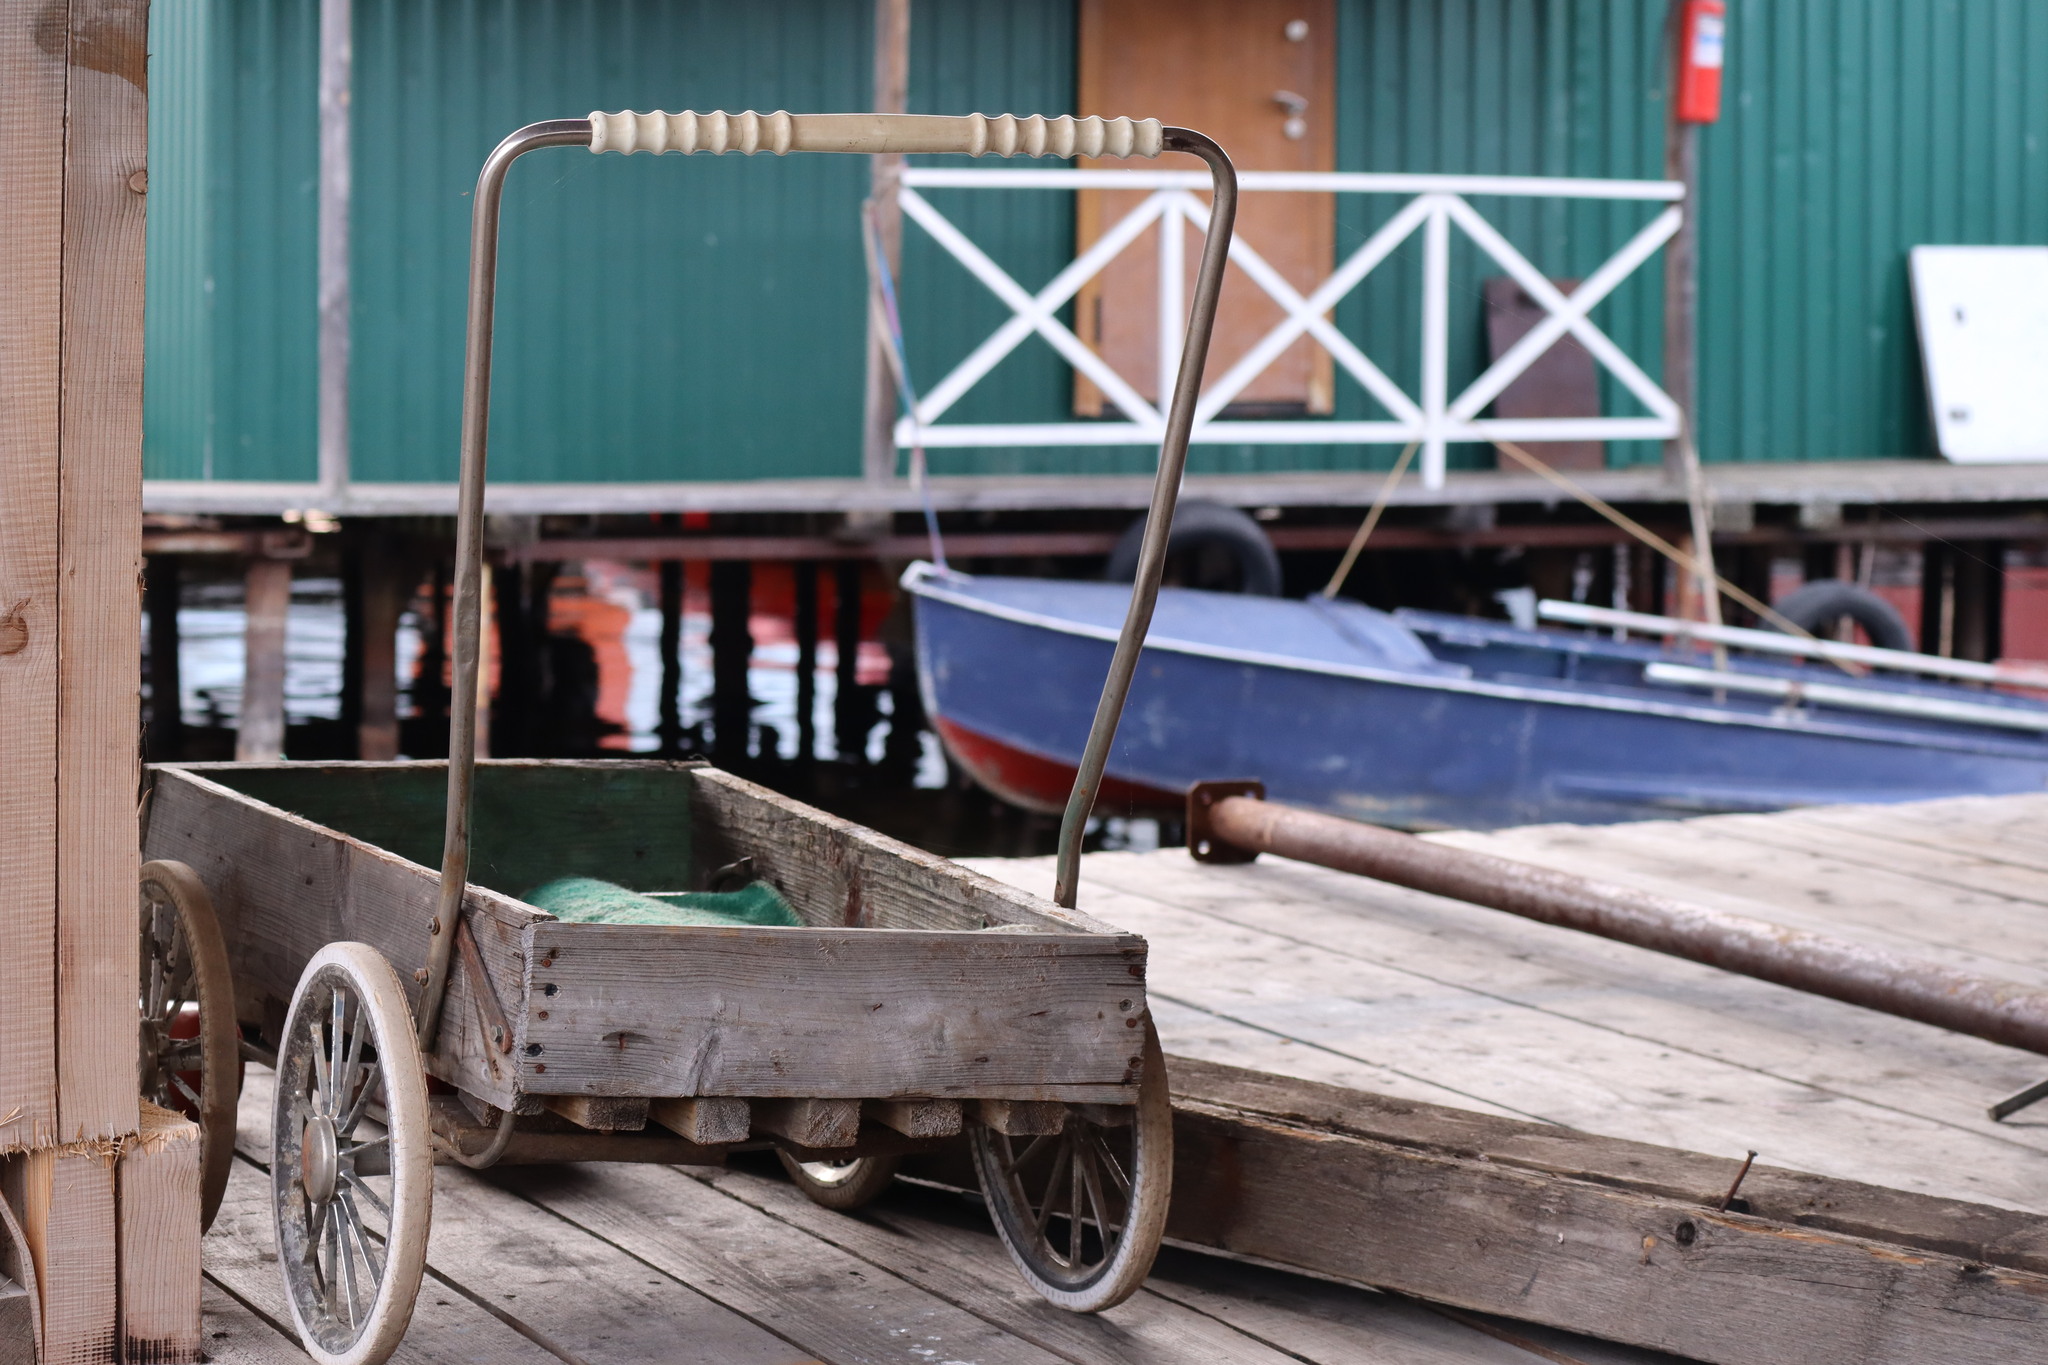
31 299
64 1197
158 1185
267 600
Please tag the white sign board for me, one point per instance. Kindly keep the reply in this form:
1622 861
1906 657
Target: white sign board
1983 315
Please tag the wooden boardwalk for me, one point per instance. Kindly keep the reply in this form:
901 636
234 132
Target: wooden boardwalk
1318 974
647 1264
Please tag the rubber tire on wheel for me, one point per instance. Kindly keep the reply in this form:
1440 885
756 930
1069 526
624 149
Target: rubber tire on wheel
1212 536
1815 607
1144 1224
192 923
844 1186
369 1337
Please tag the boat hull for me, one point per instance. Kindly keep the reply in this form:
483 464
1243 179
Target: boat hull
1013 693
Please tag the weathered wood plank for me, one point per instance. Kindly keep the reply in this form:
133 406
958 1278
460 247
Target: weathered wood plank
285 887
1566 1027
835 1014
1021 1118
31 312
624 820
808 1122
928 1240
237 1335
447 1328
704 1118
603 1113
1590 1234
837 873
158 1188
917 1118
17 1324
583 1296
831 1303
64 1197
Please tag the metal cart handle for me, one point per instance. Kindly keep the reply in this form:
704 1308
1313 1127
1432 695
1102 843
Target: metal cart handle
747 133
964 135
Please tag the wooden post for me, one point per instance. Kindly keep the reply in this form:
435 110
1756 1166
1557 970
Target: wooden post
161 584
852 707
1681 310
732 650
806 626
891 96
336 60
670 729
266 601
385 588
64 1197
31 310
158 1186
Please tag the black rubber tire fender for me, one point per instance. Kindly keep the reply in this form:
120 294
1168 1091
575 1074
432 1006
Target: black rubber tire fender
1205 526
1816 606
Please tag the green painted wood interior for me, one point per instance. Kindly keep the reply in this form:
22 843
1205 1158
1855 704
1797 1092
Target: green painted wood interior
627 823
671 320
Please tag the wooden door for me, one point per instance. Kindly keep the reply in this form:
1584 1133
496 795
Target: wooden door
1259 76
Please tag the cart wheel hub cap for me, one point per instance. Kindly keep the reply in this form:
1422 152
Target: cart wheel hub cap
318 1159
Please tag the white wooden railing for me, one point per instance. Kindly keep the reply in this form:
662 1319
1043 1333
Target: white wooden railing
1433 419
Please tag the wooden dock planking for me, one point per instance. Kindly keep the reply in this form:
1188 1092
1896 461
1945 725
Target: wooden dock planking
916 1279
1546 1023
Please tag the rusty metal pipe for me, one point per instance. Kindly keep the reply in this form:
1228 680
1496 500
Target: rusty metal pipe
1234 826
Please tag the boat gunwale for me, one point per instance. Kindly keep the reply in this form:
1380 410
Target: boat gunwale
919 578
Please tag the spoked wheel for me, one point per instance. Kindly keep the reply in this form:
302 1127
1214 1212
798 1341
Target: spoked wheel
352 1195
190 1061
1082 1211
841 1185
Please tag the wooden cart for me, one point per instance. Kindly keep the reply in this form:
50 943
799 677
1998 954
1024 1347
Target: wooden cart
415 1015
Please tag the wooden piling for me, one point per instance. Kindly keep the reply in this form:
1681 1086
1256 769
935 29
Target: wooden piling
385 587
670 729
732 649
806 629
852 707
160 593
266 602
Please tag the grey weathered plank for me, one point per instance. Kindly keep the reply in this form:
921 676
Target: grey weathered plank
834 1304
810 1122
910 1237
285 887
238 1335
832 1013
241 1256
583 1296
1564 1026
838 873
1593 1235
705 1119
918 1118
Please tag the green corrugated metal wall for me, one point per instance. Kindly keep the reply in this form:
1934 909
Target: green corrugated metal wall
1852 129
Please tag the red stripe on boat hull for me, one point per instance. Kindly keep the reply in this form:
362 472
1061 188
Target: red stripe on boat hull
1036 782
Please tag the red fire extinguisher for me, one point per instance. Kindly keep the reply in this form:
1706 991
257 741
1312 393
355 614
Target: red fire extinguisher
1702 46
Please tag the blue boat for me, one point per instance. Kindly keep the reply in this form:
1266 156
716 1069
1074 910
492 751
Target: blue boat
1426 721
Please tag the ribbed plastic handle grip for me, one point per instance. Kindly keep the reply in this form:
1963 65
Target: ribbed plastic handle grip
966 135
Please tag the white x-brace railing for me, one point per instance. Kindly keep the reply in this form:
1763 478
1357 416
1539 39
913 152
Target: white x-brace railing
1434 419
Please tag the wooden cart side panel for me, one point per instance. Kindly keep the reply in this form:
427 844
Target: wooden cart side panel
284 888
864 1014
838 874
623 820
